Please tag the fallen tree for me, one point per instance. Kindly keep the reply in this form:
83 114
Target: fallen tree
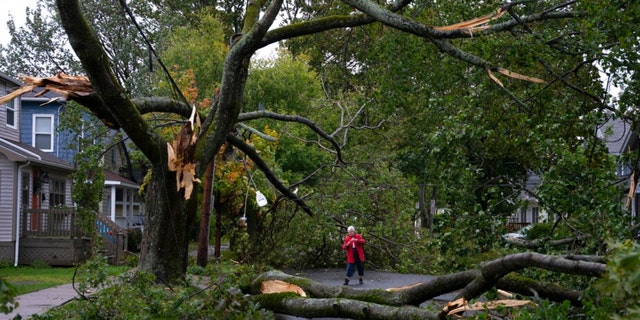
314 299
538 243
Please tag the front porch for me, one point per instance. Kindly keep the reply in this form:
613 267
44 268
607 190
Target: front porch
54 236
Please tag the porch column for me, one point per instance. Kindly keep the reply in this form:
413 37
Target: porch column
130 202
113 203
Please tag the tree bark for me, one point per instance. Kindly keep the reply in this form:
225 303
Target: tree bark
205 217
335 307
165 243
537 243
331 301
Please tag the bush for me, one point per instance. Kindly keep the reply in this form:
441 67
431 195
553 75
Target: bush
538 230
7 295
139 296
134 243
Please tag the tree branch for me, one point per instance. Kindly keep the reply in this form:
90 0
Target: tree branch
289 118
253 155
494 270
323 24
386 300
96 63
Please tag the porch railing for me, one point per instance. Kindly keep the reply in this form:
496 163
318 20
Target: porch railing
115 238
515 226
63 224
50 223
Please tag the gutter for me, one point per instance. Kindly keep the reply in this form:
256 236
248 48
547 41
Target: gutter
18 226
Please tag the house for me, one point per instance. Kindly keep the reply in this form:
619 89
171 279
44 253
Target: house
37 213
41 117
530 212
620 140
33 182
121 202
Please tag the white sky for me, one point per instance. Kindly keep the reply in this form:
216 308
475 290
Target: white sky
16 9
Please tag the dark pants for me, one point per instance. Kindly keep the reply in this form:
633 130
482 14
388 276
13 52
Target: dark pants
351 267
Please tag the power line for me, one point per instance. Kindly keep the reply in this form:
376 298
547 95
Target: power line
175 87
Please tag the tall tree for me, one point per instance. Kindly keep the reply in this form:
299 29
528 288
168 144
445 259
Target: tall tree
170 207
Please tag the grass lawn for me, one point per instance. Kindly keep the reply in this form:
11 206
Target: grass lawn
30 279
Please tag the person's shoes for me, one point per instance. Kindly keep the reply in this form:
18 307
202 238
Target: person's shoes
346 282
361 282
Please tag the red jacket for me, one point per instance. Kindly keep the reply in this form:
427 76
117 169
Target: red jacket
347 245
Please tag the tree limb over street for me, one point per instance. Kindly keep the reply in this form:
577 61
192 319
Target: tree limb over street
332 301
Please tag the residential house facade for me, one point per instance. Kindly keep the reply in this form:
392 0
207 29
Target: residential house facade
32 182
37 216
530 211
40 122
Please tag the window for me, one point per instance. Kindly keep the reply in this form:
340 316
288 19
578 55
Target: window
56 193
534 214
11 113
43 132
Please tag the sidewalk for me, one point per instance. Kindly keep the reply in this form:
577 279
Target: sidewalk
41 301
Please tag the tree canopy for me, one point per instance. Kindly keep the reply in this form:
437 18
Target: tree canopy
370 108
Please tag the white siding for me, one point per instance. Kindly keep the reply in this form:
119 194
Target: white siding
7 190
9 132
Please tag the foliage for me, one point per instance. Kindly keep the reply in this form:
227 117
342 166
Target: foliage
42 40
87 191
619 290
88 176
197 51
134 240
407 116
545 310
285 84
579 191
215 294
538 231
7 294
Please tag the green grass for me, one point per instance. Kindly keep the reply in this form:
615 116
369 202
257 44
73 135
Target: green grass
30 279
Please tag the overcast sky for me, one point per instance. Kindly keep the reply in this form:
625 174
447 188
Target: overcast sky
16 9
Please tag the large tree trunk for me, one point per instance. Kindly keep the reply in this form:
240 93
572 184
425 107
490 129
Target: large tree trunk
330 301
166 237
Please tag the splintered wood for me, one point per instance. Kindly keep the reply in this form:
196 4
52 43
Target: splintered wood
181 155
62 84
276 286
461 305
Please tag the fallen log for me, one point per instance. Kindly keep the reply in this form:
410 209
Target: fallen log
292 304
401 303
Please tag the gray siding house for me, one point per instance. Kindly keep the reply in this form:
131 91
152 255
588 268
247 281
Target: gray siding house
32 184
37 213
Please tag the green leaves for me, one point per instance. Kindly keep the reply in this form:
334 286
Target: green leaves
7 295
621 284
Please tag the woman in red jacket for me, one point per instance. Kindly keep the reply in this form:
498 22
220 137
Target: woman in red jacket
354 246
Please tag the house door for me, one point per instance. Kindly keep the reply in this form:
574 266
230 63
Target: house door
26 200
